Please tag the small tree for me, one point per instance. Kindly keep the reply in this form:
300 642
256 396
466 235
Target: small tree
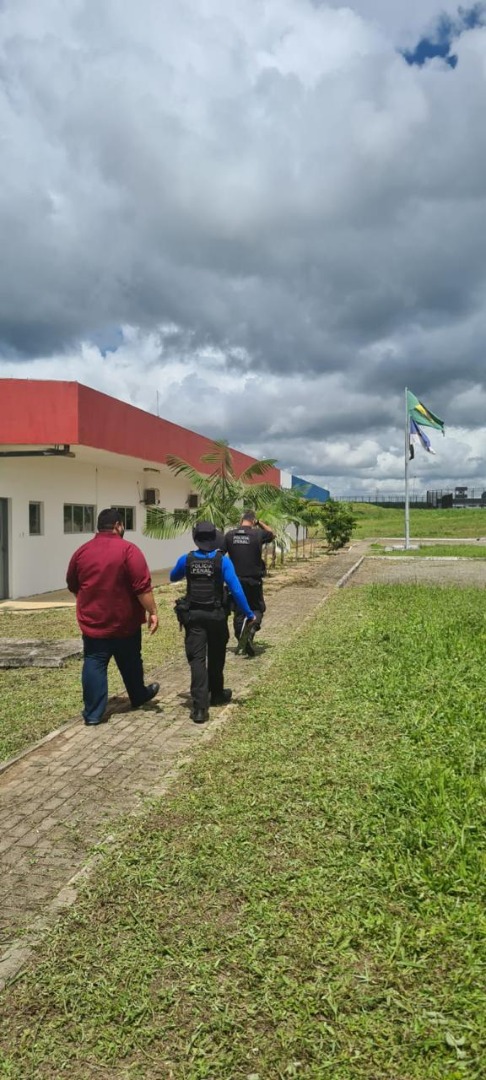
293 504
221 492
312 518
338 521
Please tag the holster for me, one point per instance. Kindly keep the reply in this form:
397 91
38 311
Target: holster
226 604
181 609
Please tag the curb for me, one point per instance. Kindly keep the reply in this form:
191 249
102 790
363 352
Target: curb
20 950
423 558
4 765
349 573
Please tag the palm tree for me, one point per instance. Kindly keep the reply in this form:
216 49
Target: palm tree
221 492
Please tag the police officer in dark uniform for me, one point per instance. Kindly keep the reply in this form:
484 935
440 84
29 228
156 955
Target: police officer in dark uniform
203 613
244 547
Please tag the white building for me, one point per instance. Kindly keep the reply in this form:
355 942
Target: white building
66 452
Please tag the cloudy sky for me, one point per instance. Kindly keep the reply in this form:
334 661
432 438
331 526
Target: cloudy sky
267 216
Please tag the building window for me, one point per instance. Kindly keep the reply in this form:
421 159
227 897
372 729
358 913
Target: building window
193 501
79 519
127 516
35 519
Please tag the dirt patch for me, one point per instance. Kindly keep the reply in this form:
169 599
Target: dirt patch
398 570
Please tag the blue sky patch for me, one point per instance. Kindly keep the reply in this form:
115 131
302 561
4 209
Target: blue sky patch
107 340
438 42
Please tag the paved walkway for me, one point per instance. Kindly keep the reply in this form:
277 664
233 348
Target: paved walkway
58 800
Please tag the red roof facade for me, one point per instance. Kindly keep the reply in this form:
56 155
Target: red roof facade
44 413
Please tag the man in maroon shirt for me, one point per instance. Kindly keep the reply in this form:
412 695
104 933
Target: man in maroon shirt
111 581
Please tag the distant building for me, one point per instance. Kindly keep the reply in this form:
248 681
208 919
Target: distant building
310 491
462 496
442 500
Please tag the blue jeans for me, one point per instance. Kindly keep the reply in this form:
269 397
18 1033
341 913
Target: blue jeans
97 655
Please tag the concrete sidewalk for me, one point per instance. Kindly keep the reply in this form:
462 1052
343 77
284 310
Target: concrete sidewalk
59 799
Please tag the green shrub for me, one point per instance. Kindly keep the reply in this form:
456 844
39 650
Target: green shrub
338 520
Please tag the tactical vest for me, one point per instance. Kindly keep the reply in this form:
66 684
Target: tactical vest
245 551
205 586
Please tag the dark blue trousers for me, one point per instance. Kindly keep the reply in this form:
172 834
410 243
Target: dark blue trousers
98 652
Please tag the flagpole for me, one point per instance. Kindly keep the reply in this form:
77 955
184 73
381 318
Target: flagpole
407 456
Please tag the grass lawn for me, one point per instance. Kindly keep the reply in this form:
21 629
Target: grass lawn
463 551
307 902
381 521
35 701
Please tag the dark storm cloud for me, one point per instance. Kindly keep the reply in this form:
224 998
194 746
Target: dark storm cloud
285 218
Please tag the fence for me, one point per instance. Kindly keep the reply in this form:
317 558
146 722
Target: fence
430 500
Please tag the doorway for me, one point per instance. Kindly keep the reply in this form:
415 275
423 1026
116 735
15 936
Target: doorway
3 549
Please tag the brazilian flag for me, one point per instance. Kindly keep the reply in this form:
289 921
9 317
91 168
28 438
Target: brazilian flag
419 412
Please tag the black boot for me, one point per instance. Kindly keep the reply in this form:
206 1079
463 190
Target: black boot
150 692
250 647
221 699
200 716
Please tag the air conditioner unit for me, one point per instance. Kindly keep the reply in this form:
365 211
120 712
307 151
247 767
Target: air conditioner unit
151 496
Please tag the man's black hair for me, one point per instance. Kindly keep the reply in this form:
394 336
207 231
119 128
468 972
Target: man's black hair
248 515
107 519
